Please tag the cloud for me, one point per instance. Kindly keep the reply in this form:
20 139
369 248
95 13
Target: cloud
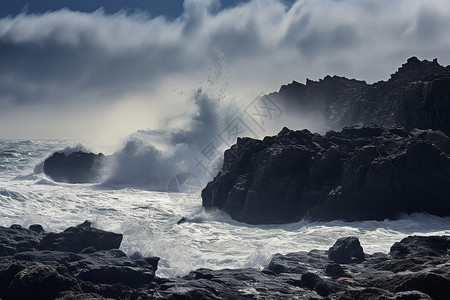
69 63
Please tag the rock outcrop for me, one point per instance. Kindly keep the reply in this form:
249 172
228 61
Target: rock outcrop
76 167
360 173
416 96
417 267
81 262
419 272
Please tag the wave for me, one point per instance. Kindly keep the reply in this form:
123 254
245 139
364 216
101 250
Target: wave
46 182
152 158
8 194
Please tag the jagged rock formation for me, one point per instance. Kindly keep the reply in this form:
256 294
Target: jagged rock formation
76 167
416 96
81 262
416 268
360 173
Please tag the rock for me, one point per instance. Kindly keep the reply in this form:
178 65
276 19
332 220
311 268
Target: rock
322 287
416 268
37 228
231 284
75 239
298 262
435 285
416 96
132 276
112 266
18 239
29 280
34 272
38 281
438 138
182 220
360 173
76 167
346 250
420 246
335 270
426 104
410 295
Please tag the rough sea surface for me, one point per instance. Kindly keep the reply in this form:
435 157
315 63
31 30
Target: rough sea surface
148 219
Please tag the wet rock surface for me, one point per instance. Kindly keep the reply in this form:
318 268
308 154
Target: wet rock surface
76 167
35 264
417 267
359 173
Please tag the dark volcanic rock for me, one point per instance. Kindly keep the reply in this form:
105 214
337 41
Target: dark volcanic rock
18 239
77 167
335 270
25 280
346 250
416 268
360 173
75 239
46 265
426 104
414 246
303 275
416 96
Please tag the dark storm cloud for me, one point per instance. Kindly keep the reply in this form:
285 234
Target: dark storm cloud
75 57
59 55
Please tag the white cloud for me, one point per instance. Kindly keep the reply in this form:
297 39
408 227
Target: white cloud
95 62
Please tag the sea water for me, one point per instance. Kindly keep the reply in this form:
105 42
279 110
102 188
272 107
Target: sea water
148 219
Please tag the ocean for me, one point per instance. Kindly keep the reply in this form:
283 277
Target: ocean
148 219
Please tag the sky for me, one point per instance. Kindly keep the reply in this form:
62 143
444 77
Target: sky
98 70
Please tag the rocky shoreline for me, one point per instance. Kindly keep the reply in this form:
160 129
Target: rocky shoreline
83 262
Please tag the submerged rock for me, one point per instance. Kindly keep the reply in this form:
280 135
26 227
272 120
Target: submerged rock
360 173
76 167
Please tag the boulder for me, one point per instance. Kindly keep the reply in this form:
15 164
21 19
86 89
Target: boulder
30 280
38 281
346 250
420 246
18 239
335 270
75 239
76 167
81 262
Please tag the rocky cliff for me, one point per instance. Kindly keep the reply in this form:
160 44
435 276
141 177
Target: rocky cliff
359 173
417 95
